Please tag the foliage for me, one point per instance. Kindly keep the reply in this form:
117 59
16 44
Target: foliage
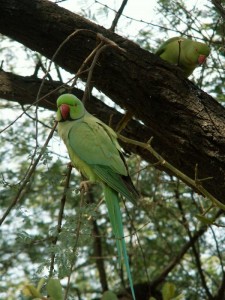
173 239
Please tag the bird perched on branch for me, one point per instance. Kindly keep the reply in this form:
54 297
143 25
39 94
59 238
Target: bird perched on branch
185 53
94 150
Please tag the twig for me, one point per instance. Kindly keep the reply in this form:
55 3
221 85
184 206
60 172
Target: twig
175 171
141 21
110 42
75 244
104 43
74 79
219 254
90 70
38 98
60 217
118 15
135 233
34 119
172 264
200 270
43 97
88 87
80 70
193 246
58 73
21 190
54 56
93 56
219 8
97 247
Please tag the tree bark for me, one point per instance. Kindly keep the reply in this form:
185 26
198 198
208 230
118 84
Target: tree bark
186 123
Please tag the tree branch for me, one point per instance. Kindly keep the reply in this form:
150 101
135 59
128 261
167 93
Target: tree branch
187 124
25 182
118 15
178 257
24 90
97 248
194 250
220 293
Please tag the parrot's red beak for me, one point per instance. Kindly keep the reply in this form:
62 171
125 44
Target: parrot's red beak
201 59
65 111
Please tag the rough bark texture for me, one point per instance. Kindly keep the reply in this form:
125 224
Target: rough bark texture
187 124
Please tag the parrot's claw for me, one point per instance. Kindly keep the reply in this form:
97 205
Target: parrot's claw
70 165
84 185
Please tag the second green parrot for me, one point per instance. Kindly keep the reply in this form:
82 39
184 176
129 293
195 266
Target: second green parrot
94 150
185 53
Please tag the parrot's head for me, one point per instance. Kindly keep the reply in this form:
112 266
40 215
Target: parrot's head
202 51
69 107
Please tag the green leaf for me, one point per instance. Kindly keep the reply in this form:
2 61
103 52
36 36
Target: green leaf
179 297
168 291
54 289
31 291
40 284
204 220
108 295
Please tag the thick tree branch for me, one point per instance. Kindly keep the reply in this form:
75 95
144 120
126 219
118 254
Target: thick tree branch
187 124
24 90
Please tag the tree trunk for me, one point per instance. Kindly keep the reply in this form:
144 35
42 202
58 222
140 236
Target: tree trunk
186 123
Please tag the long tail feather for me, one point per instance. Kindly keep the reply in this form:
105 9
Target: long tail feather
112 202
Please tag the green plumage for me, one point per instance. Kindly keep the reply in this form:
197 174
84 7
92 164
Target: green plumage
94 150
185 53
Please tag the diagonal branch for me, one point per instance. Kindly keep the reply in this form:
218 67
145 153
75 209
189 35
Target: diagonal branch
118 15
24 184
219 7
180 255
194 249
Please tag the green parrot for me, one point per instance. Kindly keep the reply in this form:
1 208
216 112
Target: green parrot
94 150
185 53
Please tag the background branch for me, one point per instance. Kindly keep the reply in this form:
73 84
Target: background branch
219 7
97 248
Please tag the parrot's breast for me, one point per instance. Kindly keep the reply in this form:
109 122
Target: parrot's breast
63 131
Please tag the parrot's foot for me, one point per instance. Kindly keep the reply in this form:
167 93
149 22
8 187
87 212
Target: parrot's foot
84 185
70 165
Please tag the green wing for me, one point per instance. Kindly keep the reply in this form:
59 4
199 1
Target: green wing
163 47
95 143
